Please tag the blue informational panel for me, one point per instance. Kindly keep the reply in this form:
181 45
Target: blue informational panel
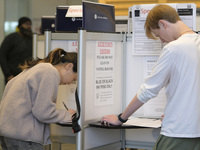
48 23
63 23
98 17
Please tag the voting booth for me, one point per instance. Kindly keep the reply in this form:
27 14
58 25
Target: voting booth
111 68
108 49
141 55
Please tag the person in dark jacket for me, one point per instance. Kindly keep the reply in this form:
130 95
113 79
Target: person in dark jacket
16 48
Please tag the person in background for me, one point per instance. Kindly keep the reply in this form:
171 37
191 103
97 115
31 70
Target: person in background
178 70
28 104
16 48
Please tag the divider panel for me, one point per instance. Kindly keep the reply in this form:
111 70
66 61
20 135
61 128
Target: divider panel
102 51
145 138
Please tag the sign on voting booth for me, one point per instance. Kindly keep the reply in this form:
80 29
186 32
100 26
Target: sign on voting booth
104 73
111 69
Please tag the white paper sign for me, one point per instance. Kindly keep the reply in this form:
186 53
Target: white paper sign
141 44
74 11
72 46
154 107
145 10
104 73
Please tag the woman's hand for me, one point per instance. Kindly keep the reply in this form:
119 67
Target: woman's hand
111 119
71 111
10 77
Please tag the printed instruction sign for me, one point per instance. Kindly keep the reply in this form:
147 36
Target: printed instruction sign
104 73
144 46
155 107
141 44
72 46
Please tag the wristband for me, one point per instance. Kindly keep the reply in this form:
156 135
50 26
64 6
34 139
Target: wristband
120 119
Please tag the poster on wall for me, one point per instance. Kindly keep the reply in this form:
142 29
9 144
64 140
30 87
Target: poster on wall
141 44
144 46
155 107
104 73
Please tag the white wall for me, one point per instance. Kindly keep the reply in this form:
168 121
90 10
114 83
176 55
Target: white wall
15 9
41 8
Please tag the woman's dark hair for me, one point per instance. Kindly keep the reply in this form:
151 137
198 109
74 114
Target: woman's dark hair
54 57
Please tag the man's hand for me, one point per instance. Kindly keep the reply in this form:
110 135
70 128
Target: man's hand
111 119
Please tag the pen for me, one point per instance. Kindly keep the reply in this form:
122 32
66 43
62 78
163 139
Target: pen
65 106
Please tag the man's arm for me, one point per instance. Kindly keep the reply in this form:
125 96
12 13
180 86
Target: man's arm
130 109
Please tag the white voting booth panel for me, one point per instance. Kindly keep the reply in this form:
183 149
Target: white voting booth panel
100 90
65 92
89 138
137 138
95 110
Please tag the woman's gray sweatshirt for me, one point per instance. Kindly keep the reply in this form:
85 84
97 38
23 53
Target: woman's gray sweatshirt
28 105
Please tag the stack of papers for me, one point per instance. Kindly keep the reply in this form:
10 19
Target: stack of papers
143 122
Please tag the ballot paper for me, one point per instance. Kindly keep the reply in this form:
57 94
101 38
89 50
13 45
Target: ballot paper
143 122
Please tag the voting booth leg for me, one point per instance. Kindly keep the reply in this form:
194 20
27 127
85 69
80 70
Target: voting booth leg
123 136
123 139
34 46
81 88
47 44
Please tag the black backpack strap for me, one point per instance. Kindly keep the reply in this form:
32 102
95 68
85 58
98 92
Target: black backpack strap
75 126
